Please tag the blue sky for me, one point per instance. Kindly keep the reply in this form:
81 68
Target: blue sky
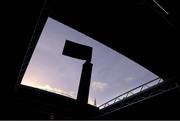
112 73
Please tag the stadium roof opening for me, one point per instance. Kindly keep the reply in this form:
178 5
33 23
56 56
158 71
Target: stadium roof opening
49 70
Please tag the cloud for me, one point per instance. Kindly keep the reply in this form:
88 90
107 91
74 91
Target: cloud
91 100
99 86
129 79
55 90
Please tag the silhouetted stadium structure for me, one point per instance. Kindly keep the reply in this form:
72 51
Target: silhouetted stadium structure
139 29
85 53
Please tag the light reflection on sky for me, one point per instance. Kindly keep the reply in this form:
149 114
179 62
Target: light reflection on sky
112 72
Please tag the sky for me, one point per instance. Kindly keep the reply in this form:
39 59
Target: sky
112 73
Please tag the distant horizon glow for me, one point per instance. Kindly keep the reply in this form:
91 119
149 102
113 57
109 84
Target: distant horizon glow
49 70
